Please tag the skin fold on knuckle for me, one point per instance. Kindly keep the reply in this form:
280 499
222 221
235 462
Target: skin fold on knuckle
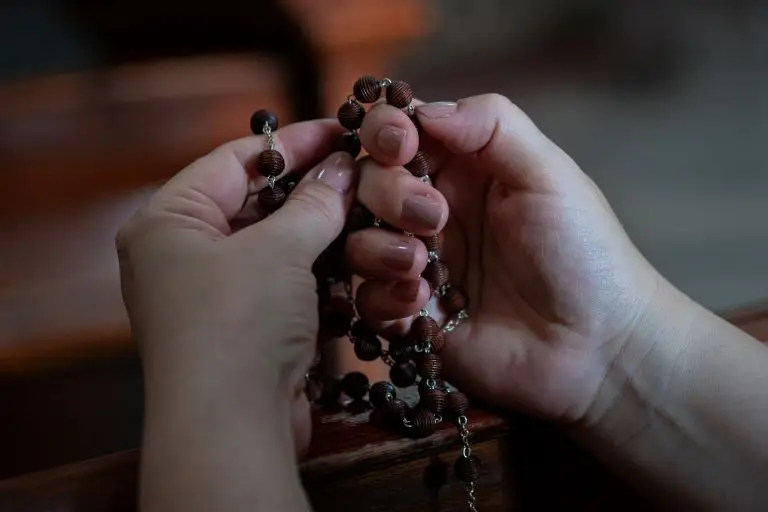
322 203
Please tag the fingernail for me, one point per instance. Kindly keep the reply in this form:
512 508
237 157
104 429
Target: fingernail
390 139
438 109
422 211
405 291
337 171
399 255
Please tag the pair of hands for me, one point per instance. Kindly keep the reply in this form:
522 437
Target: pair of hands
556 288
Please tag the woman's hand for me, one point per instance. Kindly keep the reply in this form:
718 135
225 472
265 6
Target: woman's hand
555 286
227 323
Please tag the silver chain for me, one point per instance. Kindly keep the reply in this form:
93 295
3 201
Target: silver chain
267 130
454 322
466 452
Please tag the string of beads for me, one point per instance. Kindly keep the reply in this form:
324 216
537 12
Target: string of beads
414 359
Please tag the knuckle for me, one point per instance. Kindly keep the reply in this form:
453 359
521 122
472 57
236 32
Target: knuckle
322 201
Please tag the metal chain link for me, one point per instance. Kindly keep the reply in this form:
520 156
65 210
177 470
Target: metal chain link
454 322
466 452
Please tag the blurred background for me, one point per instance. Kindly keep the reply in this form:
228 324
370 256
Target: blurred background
663 102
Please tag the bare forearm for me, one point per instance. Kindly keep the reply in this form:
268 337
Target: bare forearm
684 410
216 444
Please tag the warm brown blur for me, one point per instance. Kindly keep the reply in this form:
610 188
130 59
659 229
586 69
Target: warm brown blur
665 107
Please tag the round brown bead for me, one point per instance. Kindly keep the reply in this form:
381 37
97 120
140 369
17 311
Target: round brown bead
368 348
355 385
423 422
396 409
403 374
432 243
436 274
426 386
367 89
424 329
270 199
467 469
381 393
270 163
421 165
454 300
349 143
351 115
434 400
438 342
430 366
338 316
457 404
262 117
399 94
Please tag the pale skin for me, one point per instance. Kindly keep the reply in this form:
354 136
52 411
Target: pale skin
568 321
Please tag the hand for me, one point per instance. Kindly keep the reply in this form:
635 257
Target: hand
555 285
234 311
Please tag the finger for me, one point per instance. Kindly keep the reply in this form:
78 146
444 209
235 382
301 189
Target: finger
500 134
381 254
398 198
379 301
314 214
213 188
389 135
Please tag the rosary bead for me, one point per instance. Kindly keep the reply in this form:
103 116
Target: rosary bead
438 342
436 274
423 422
467 469
433 243
349 143
421 165
359 218
454 300
424 329
403 374
360 330
338 316
270 199
351 115
381 393
399 94
396 409
368 348
260 118
434 400
457 404
367 89
430 366
355 385
270 163
424 388
400 348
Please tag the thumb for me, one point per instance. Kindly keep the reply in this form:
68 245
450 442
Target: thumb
504 138
314 214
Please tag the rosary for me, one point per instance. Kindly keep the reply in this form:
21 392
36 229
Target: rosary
414 358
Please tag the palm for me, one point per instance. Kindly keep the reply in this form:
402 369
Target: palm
547 294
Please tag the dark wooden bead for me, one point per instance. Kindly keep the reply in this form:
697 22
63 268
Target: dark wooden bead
421 165
423 421
349 143
260 118
430 366
331 391
361 330
438 342
436 274
351 115
424 329
467 469
399 94
425 386
403 374
368 348
367 89
396 409
338 316
381 393
400 350
270 163
454 300
457 404
270 199
359 218
432 243
355 385
434 400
